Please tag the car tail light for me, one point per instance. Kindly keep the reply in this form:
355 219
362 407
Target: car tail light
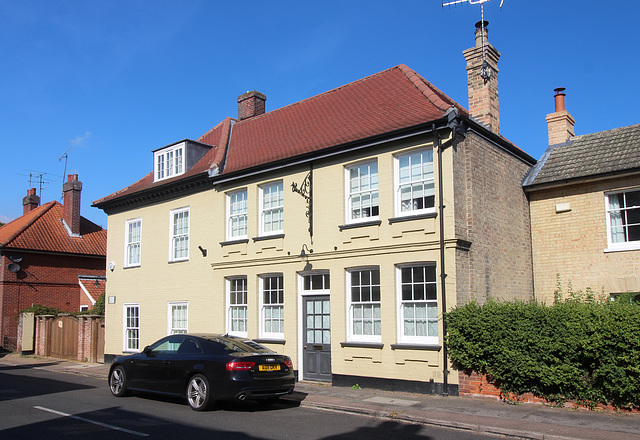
238 365
288 363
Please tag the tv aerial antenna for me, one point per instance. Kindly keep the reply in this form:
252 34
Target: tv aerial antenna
485 70
64 156
39 178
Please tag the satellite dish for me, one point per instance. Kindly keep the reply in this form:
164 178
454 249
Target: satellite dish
16 258
13 267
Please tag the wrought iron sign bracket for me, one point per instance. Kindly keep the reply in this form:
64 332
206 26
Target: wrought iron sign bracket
306 191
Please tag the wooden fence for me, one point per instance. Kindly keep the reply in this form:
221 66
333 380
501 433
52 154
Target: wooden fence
68 337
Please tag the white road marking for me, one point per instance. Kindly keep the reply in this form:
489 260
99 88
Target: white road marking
105 425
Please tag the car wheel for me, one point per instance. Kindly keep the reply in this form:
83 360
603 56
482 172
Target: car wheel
118 382
198 393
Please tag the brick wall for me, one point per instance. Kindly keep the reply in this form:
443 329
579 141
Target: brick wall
49 280
571 241
492 213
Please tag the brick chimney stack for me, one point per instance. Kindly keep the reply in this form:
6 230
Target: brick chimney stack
30 202
71 209
251 104
560 123
482 79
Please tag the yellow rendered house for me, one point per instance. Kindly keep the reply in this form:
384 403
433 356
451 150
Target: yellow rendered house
336 230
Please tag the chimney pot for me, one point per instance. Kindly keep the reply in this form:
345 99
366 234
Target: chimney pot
31 202
559 98
560 124
251 104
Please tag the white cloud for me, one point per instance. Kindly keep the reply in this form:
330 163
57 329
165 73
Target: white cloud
4 219
81 140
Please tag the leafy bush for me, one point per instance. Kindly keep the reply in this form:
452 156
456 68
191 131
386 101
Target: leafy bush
583 348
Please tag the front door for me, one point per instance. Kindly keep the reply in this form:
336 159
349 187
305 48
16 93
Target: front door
316 338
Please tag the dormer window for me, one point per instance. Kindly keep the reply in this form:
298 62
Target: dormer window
169 162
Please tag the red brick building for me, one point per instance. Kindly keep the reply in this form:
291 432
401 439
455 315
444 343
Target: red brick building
43 253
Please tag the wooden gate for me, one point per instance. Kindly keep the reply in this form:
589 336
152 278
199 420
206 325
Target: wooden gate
63 338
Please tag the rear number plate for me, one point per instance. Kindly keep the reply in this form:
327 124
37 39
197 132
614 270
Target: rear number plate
268 367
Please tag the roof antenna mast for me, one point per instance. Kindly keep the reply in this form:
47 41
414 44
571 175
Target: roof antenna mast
64 156
485 71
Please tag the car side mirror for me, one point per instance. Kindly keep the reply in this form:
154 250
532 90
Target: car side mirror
147 350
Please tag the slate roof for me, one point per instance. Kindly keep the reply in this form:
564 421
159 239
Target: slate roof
593 155
42 230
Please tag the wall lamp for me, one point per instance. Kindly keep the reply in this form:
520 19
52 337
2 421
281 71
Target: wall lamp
303 253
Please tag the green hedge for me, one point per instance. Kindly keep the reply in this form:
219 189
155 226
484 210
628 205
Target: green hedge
583 350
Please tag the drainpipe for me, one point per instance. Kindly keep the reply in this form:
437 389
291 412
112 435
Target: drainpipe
457 130
443 275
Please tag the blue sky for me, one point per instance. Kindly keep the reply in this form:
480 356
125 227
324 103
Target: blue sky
115 79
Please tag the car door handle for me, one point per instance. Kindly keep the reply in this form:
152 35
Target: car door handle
166 362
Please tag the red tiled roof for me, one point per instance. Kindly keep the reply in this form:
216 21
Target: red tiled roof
390 100
217 137
93 286
42 230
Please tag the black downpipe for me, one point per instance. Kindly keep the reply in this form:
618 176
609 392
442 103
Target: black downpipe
443 275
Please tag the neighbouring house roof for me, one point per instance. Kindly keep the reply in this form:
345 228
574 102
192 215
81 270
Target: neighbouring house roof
42 230
92 286
389 101
590 156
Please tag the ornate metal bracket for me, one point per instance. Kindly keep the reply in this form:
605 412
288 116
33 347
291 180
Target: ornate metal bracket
306 191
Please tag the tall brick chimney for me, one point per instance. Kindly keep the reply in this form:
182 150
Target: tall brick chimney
71 209
560 123
251 104
30 202
482 78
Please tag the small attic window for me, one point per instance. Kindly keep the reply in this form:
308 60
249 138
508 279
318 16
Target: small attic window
169 162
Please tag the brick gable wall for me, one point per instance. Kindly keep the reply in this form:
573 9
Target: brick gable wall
492 213
49 280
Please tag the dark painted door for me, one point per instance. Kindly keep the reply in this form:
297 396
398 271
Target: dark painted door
317 338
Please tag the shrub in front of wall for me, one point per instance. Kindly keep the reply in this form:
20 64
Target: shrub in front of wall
583 350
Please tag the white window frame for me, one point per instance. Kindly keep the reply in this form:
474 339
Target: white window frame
237 312
131 329
268 210
352 335
129 243
240 213
370 190
620 245
429 338
423 179
274 303
182 324
177 236
169 162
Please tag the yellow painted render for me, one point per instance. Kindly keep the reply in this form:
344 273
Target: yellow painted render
201 280
569 235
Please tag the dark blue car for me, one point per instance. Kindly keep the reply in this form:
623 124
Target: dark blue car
204 368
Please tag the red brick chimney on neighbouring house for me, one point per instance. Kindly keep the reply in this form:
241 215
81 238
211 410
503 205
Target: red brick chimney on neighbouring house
30 202
560 123
251 104
71 209
482 78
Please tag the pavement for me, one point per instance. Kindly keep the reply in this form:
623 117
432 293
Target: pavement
476 414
